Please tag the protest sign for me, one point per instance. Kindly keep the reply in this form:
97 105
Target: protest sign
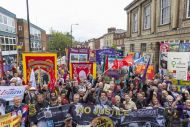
9 120
9 92
84 115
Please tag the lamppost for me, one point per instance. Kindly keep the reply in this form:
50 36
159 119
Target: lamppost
72 33
28 20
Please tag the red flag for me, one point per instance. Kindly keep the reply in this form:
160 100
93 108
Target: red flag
52 80
117 64
106 64
128 60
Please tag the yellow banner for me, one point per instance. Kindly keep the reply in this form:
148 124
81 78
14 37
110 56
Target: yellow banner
10 121
183 83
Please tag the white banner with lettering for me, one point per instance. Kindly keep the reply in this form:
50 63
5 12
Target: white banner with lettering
9 92
179 65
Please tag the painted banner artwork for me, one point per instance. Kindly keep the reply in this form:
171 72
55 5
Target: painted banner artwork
164 47
100 53
1 66
150 72
184 47
174 46
92 56
163 60
43 64
85 115
148 56
76 55
81 70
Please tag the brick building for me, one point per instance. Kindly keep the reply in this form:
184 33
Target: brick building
38 36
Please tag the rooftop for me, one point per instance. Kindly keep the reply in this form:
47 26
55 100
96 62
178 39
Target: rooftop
37 27
131 4
6 12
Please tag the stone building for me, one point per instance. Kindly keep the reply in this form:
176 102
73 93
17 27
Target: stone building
150 22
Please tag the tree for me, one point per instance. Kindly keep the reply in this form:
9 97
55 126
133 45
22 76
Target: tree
59 41
114 46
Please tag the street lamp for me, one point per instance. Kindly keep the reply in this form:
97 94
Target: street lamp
28 20
72 32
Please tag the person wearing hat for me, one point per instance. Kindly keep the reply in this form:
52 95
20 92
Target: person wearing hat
30 95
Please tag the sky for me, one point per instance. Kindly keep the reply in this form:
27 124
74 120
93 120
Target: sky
93 16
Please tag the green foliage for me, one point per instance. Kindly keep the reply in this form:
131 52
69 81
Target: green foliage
59 41
114 46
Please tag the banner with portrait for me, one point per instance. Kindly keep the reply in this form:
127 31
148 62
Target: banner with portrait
81 70
43 64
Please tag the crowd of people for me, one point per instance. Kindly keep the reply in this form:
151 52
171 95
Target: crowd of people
126 92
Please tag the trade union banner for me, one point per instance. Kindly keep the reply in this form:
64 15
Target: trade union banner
43 64
77 55
81 70
103 116
9 92
101 52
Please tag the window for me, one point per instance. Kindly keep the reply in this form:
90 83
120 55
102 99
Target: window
143 47
14 41
135 22
19 28
1 40
188 8
6 40
165 12
147 17
132 47
1 18
11 41
5 19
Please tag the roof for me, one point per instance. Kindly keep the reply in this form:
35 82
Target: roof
32 25
131 4
119 31
6 12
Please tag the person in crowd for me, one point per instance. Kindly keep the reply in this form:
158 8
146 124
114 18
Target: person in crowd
53 101
41 102
118 102
64 99
128 103
18 105
103 100
174 91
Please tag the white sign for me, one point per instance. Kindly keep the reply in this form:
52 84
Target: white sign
9 92
178 64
